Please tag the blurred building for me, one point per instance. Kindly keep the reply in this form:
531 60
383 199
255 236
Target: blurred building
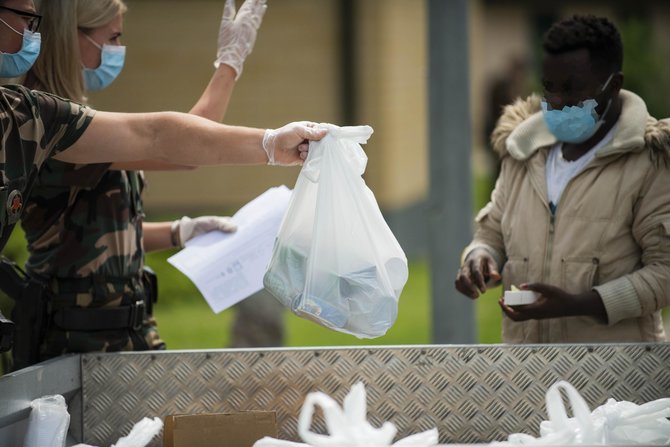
348 62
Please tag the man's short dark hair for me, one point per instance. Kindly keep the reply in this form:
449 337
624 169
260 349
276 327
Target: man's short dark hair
596 34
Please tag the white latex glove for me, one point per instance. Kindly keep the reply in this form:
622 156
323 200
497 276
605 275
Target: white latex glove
237 33
185 229
289 144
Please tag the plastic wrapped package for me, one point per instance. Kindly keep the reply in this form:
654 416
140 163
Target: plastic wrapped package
48 422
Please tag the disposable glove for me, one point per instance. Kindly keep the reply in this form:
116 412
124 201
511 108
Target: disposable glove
237 33
185 229
289 144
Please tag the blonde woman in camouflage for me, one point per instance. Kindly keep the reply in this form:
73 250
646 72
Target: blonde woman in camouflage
84 222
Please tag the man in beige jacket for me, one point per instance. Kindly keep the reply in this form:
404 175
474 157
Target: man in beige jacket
581 209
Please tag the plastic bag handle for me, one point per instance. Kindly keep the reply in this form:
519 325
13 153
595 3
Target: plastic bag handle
335 420
358 134
348 140
558 413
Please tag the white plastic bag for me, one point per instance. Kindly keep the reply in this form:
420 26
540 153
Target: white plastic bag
614 423
48 422
627 423
335 260
140 435
347 426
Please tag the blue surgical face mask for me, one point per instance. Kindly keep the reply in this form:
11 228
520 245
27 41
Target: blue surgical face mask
112 58
575 124
16 64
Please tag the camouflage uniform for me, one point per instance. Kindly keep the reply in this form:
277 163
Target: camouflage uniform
83 224
34 127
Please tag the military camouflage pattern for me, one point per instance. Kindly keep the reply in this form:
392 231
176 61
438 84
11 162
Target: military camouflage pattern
83 224
84 220
59 342
34 127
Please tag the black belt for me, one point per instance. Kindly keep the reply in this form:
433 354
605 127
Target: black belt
88 283
100 319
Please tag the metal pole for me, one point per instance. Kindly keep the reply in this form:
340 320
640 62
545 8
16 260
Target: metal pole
450 210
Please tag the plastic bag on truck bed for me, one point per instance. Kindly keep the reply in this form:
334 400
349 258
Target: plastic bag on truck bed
141 434
347 426
614 423
48 422
335 260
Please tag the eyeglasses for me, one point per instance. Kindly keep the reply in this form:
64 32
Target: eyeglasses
32 19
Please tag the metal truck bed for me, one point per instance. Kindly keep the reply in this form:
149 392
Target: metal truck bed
471 393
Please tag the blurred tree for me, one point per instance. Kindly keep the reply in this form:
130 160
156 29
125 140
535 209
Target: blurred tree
643 67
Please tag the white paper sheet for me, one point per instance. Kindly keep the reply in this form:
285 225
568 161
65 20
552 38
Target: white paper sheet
228 267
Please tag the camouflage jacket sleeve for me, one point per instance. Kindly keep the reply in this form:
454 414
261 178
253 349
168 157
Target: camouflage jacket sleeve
64 121
44 122
33 127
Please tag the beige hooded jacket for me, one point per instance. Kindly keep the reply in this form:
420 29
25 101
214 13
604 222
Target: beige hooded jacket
611 232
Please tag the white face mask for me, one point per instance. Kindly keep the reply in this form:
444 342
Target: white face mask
112 59
16 64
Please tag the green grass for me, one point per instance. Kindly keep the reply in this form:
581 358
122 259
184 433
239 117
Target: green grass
189 323
489 317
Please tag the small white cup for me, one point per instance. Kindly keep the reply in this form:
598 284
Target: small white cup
520 297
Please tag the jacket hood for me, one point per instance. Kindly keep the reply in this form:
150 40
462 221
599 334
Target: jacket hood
521 130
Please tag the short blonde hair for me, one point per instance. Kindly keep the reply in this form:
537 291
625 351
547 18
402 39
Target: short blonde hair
58 67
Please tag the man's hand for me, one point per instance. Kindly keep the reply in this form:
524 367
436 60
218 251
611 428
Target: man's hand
289 144
237 33
555 303
477 270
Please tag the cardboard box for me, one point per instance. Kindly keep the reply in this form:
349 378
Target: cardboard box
241 429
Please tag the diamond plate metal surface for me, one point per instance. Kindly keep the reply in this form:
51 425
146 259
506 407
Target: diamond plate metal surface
472 394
